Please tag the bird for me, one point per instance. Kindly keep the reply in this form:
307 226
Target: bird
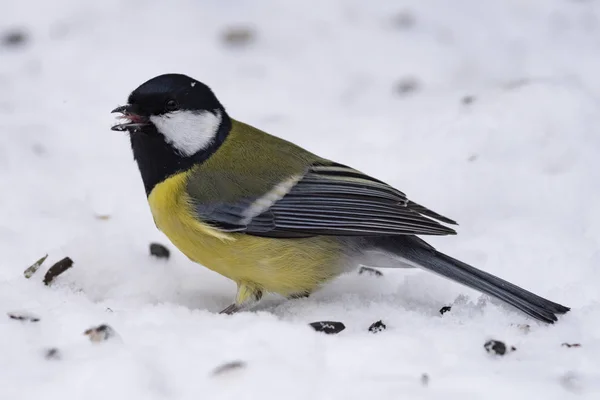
272 216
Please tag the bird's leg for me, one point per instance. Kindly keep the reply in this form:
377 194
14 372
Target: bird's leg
299 295
247 296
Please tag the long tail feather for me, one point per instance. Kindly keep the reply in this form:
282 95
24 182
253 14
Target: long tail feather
417 252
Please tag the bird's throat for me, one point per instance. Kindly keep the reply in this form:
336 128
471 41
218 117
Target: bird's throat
157 160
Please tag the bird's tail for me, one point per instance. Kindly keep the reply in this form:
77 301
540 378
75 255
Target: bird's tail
416 252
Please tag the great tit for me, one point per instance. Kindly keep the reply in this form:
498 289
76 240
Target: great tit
272 216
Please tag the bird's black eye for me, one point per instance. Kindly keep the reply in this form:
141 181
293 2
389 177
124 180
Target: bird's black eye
171 105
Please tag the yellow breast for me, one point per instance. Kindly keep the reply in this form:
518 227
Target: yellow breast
285 266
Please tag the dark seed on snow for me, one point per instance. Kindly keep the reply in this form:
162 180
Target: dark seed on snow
14 38
57 269
52 354
407 85
497 347
425 379
33 268
25 317
404 20
238 36
100 333
377 327
571 345
466 100
370 271
159 251
227 367
329 327
445 309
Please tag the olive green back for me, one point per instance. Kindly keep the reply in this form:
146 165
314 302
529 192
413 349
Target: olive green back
247 165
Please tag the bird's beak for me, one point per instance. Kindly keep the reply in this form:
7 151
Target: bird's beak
134 121
122 109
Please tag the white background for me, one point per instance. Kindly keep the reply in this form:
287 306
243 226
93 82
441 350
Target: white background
518 168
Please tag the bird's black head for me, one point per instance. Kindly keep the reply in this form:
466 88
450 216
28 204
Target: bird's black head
181 109
174 121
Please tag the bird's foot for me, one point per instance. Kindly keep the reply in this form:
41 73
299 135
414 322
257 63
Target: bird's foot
247 297
300 295
232 309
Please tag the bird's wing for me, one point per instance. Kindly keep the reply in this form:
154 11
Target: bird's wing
328 199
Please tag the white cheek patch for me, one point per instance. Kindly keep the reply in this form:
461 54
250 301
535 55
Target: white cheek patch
187 131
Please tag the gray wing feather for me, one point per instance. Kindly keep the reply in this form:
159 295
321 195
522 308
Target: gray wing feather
330 199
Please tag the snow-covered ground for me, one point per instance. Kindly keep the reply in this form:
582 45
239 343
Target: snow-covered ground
487 112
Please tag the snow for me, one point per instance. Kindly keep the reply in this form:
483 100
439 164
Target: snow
517 166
